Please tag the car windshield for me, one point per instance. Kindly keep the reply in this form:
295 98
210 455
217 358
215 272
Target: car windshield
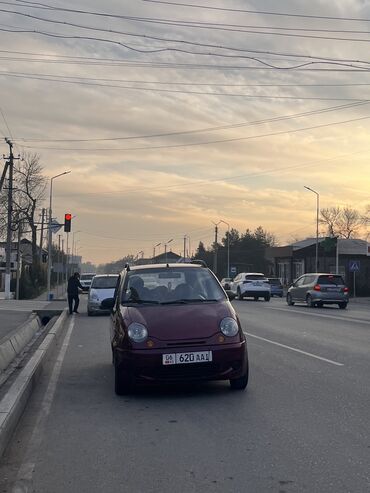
104 282
166 285
336 280
86 277
275 281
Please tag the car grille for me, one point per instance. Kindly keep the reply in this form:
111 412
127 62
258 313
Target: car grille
193 342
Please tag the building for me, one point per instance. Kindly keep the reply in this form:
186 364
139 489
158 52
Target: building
350 258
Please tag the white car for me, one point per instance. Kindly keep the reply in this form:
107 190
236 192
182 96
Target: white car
102 287
251 285
85 280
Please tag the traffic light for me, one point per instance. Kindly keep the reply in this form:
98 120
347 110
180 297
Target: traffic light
67 222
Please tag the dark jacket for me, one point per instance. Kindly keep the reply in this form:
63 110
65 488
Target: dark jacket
73 285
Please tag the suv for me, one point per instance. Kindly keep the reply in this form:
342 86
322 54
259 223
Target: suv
85 280
276 287
251 284
225 282
319 289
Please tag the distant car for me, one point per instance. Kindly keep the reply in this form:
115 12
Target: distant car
102 287
317 289
251 285
85 280
276 286
225 282
174 322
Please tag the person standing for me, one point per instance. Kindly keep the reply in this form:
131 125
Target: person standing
72 292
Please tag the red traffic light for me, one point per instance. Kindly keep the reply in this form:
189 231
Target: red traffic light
67 222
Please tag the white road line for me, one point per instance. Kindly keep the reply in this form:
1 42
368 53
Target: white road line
295 349
23 482
321 315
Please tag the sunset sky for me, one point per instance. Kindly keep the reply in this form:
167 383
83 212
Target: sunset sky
173 115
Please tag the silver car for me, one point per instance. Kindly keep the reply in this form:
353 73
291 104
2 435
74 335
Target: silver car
102 287
317 289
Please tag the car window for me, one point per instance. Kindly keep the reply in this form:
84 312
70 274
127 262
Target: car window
165 285
255 277
309 279
275 281
86 277
299 282
331 279
104 282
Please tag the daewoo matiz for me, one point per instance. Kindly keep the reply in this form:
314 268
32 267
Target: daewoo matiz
174 322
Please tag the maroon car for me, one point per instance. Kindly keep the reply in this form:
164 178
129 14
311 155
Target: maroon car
174 322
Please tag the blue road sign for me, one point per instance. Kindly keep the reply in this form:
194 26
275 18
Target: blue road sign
354 266
232 271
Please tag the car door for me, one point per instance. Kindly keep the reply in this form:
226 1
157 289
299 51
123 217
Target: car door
297 291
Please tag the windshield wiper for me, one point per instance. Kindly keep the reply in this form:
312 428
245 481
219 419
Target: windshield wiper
141 302
187 300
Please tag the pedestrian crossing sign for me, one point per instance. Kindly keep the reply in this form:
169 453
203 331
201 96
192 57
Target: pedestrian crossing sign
354 265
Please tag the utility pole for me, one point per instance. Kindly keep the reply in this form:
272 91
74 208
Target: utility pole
20 224
215 248
184 247
10 165
42 232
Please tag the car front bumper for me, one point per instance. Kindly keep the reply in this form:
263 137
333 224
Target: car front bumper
228 362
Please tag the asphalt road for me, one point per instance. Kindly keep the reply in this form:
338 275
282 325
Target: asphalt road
302 425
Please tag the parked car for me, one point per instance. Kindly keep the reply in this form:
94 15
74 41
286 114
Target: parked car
174 322
276 287
225 282
85 280
317 289
251 285
102 287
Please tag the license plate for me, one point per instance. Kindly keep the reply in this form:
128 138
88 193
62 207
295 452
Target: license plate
334 289
186 358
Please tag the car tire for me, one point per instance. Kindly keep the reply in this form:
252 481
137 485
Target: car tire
241 382
240 296
289 299
122 382
280 295
267 298
342 305
309 301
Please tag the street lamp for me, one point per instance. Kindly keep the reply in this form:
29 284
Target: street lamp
155 246
228 246
165 249
49 232
317 225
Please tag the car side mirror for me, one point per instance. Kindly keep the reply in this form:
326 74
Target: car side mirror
107 304
230 294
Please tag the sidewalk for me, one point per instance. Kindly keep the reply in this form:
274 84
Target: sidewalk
58 292
360 299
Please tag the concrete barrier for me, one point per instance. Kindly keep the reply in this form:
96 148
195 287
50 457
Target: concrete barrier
14 401
14 342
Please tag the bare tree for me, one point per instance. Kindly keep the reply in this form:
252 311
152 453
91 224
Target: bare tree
28 192
342 222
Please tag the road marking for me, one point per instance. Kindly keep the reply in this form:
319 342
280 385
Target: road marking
23 482
322 315
295 349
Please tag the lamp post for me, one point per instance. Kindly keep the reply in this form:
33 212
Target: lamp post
155 246
165 249
317 225
73 244
49 231
228 246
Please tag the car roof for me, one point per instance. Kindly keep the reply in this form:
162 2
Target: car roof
165 266
253 273
106 275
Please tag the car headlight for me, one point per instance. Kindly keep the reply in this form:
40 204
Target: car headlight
229 327
137 332
93 296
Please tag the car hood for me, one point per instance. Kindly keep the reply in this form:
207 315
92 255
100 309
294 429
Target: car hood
174 322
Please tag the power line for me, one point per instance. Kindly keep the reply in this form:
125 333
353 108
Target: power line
178 91
6 123
259 12
192 144
209 129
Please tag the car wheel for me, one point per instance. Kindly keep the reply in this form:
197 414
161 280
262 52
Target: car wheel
289 299
280 295
241 382
267 298
309 301
342 306
122 382
240 296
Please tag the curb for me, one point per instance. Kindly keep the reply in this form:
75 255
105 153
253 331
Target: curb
14 401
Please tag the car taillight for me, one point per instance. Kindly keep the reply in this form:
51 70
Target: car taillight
345 290
317 287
